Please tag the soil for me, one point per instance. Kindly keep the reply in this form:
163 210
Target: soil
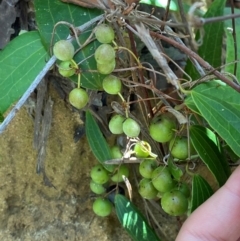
29 210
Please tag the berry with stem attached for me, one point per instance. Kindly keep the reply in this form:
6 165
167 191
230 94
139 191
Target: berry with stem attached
99 174
97 188
161 128
102 207
147 167
116 124
78 98
104 54
104 33
146 189
131 128
63 50
162 179
174 203
66 69
178 147
112 85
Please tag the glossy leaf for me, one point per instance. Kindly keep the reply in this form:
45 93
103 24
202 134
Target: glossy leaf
133 221
215 88
97 142
222 116
205 143
211 48
48 13
21 61
201 191
176 172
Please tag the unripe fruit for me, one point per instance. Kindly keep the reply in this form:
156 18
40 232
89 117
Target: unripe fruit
146 189
102 207
104 54
174 203
99 174
116 152
162 179
65 69
178 147
147 167
161 128
183 188
116 124
97 188
142 149
112 85
104 33
78 97
123 170
131 128
106 68
63 50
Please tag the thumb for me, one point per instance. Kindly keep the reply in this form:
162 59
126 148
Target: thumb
217 218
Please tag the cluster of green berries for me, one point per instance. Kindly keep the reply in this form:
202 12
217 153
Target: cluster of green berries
64 51
162 129
101 180
105 53
157 182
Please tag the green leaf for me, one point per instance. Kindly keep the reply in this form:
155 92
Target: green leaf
211 49
97 142
222 116
206 144
50 12
21 61
176 172
215 88
201 191
133 221
230 56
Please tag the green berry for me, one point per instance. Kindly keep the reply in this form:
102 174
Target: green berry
78 98
161 128
102 207
123 170
116 124
178 147
142 149
184 188
63 50
104 54
146 189
162 179
112 85
174 203
131 128
99 174
147 167
97 188
116 152
106 68
65 69
104 33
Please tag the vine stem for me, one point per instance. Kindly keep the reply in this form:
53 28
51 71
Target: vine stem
39 77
